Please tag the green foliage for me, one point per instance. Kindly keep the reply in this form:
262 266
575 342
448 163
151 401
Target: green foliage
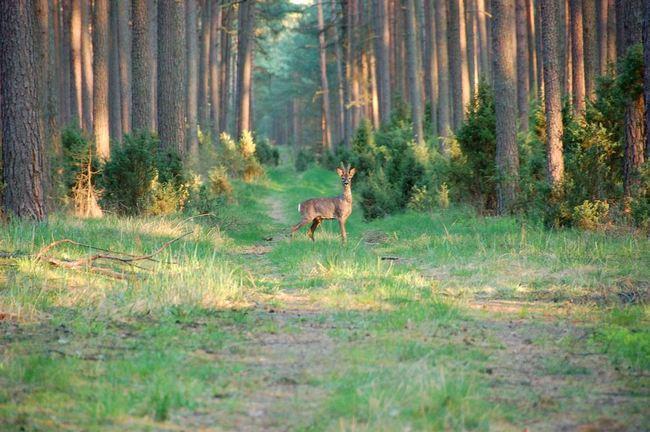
304 158
591 214
240 158
141 178
477 140
266 153
76 150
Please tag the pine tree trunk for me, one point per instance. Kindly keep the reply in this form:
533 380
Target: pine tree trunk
124 40
382 52
485 69
216 85
338 51
444 108
630 19
552 93
458 60
100 80
142 58
611 31
114 96
66 63
22 128
577 57
192 77
523 98
325 101
505 105
432 65
533 55
77 77
590 46
171 75
204 66
245 64
646 69
470 12
87 66
413 68
153 31
601 31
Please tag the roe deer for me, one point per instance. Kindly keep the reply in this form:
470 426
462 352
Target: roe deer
315 210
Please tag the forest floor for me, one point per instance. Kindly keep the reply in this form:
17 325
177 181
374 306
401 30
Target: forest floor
422 321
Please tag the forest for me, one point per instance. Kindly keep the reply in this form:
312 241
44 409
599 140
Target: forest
476 174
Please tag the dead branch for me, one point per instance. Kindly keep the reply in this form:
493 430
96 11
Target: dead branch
88 263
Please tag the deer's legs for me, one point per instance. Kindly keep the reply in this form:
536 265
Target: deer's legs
344 235
313 227
299 225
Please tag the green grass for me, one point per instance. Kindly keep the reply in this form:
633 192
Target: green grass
448 334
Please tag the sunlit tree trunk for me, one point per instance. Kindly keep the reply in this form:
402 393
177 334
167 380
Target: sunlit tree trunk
414 77
533 55
458 60
484 47
66 63
646 51
114 93
431 69
601 30
245 64
382 47
611 31
100 81
505 104
77 78
523 85
22 128
552 92
338 51
577 57
124 36
86 66
216 85
192 76
444 107
472 64
153 31
171 75
204 66
325 96
590 46
142 57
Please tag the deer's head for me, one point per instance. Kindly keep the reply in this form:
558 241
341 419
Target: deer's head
346 174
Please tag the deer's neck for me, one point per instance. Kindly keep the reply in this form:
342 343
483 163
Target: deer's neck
347 193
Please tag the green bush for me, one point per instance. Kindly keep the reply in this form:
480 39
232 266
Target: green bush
591 214
141 178
266 153
304 158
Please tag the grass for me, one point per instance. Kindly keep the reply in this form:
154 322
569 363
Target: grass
474 323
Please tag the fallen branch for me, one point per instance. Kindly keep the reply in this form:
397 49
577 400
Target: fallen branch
88 262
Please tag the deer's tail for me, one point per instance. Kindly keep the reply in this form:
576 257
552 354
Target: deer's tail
299 207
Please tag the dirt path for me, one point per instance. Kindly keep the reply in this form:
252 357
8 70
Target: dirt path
275 209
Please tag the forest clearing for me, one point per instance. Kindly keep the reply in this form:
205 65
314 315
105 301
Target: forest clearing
473 323
324 215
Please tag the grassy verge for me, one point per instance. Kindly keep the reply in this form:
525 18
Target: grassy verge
422 321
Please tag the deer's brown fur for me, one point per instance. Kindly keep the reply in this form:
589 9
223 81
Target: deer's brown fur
316 210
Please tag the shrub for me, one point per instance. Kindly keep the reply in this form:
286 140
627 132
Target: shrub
591 214
229 155
219 184
266 153
140 178
304 158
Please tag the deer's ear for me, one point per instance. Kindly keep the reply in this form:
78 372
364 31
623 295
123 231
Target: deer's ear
339 171
352 172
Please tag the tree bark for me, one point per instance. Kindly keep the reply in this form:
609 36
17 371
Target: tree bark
338 51
523 85
630 19
153 31
601 30
325 101
125 44
552 93
382 53
77 79
431 69
100 80
87 66
505 105
415 84
472 63
22 128
611 31
458 55
204 66
114 96
590 46
646 74
245 64
485 69
192 77
142 66
216 84
66 63
577 58
444 108
533 55
171 75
